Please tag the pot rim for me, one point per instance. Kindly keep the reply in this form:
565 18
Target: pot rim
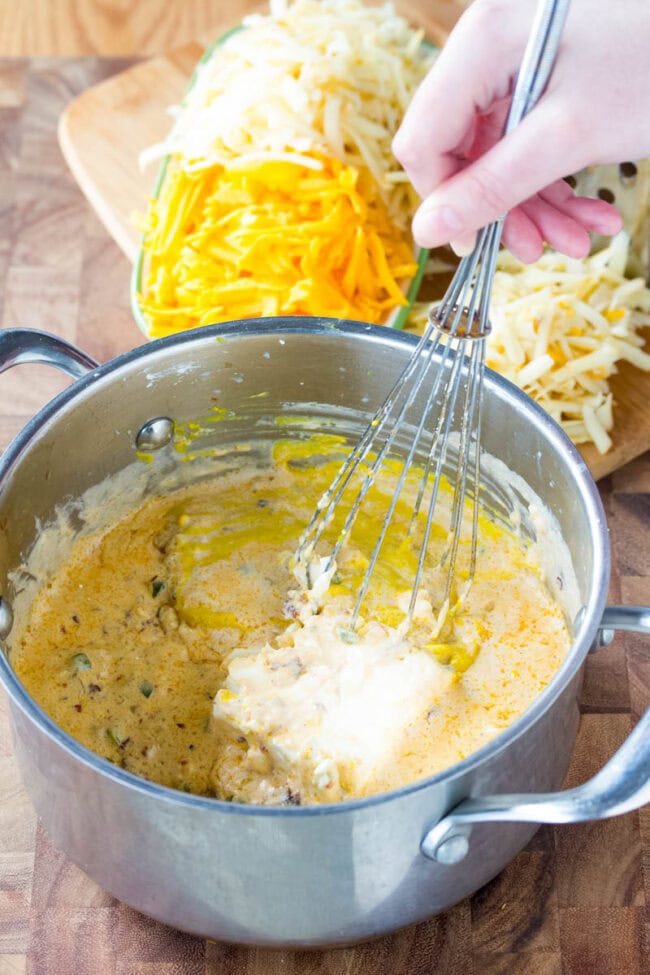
585 633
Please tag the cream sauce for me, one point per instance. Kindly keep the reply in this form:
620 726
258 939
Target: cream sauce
168 643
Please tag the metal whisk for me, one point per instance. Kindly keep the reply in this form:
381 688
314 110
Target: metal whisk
448 363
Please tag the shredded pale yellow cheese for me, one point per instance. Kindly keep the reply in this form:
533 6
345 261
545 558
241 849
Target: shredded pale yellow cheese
329 78
559 328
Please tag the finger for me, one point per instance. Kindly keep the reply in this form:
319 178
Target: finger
557 228
522 238
558 193
474 68
596 216
463 246
509 173
438 169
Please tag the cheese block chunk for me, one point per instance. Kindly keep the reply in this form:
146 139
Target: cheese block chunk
324 715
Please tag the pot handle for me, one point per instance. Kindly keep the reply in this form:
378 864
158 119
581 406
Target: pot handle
19 345
622 785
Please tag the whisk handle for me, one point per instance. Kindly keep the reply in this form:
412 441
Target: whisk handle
536 66
539 58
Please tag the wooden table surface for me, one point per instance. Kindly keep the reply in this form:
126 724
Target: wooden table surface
122 27
575 902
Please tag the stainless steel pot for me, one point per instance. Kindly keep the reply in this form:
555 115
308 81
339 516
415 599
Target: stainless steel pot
298 876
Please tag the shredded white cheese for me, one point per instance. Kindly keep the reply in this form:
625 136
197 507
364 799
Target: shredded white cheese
559 328
330 77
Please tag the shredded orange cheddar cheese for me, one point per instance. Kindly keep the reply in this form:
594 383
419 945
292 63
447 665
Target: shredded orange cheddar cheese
270 238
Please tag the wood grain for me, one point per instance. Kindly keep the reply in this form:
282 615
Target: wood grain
575 902
108 27
104 130
122 28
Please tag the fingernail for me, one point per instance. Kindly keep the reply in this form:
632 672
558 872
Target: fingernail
434 225
464 246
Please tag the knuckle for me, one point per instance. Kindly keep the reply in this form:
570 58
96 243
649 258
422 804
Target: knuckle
403 148
575 119
485 18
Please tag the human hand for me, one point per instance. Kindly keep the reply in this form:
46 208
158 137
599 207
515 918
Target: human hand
596 109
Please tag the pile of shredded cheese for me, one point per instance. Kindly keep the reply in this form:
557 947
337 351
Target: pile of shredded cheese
330 78
282 195
559 328
270 238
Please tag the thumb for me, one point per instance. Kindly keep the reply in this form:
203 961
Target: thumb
539 151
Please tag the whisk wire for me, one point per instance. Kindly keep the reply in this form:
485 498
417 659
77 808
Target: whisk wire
438 453
395 498
382 454
466 465
454 342
330 499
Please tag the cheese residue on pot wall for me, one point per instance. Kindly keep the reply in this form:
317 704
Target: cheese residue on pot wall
173 641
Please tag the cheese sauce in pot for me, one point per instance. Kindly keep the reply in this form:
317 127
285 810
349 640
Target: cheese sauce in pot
176 643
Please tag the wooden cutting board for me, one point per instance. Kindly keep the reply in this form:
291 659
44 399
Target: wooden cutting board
574 902
103 131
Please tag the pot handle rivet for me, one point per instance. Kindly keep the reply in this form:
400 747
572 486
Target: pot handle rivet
605 637
451 849
155 433
6 618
